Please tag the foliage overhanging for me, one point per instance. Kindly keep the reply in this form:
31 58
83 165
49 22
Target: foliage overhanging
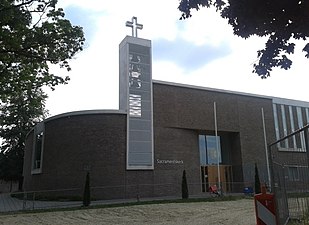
282 21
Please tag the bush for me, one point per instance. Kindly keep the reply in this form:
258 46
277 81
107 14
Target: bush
86 197
257 183
184 186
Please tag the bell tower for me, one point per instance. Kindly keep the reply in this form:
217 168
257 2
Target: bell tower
135 97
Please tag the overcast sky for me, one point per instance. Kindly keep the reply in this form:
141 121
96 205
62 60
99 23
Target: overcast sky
199 51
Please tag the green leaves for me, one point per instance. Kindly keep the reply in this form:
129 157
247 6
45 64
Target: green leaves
19 113
29 45
185 6
274 55
280 20
34 34
306 49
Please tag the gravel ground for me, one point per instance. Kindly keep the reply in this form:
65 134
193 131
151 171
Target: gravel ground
240 212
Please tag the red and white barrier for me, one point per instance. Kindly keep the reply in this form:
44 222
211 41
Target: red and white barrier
265 208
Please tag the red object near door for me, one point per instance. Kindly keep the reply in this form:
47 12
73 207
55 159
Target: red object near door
265 208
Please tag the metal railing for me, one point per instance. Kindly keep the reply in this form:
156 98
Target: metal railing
288 159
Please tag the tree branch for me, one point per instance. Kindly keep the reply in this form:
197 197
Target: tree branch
18 5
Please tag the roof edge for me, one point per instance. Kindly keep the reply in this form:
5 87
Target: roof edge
276 100
86 112
78 113
210 89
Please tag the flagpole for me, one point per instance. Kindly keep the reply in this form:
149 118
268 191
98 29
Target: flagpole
217 146
266 148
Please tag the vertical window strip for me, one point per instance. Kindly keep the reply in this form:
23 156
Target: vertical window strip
202 146
307 115
209 153
38 148
276 123
299 117
285 130
38 151
292 126
300 125
213 151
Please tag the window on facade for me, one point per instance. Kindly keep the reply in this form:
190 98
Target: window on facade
276 123
300 125
135 105
38 151
292 126
285 144
210 150
293 173
287 119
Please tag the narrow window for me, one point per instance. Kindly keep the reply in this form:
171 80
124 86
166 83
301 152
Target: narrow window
202 146
213 149
209 153
300 125
38 146
285 130
276 123
293 173
292 127
38 151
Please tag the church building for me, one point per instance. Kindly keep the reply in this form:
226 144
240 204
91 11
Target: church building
160 130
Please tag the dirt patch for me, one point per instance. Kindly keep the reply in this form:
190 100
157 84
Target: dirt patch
239 212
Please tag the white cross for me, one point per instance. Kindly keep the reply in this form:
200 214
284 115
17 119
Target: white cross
134 25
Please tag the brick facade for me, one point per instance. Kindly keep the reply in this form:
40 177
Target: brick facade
95 141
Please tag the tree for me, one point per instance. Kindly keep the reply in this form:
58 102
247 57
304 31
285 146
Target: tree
257 182
18 115
282 21
184 186
34 34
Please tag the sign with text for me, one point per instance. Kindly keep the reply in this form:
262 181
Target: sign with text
169 161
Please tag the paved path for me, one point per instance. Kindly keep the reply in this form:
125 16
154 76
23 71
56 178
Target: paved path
202 213
9 204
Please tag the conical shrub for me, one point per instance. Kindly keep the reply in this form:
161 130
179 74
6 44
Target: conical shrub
184 186
86 197
257 183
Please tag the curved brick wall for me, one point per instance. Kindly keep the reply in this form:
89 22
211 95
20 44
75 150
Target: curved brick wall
75 143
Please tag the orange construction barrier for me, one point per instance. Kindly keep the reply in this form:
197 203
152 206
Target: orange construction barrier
265 208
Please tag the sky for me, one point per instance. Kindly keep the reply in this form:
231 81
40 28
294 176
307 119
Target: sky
200 51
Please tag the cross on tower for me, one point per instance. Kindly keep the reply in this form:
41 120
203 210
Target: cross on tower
134 25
